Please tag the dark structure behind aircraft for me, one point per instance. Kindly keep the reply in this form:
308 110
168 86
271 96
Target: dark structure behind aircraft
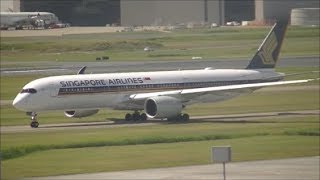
163 12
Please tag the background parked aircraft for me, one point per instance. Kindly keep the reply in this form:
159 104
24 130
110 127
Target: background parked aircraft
20 20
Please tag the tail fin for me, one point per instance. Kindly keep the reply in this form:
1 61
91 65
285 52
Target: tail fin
268 52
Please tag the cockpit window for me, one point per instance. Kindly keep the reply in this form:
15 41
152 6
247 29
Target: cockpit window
30 90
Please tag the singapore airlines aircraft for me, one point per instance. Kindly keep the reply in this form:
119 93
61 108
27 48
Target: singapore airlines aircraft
160 94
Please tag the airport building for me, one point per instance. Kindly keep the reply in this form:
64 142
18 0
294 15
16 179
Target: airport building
160 12
10 5
271 9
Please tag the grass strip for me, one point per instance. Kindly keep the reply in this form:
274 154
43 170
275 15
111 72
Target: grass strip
119 158
315 132
14 152
18 151
129 46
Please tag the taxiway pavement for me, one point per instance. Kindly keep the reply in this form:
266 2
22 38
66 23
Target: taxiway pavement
59 68
232 118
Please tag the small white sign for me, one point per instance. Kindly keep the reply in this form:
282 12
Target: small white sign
221 154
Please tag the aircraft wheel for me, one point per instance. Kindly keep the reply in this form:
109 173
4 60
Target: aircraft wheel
34 124
136 116
143 117
128 117
185 117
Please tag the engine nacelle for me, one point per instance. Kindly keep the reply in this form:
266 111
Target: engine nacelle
162 107
80 113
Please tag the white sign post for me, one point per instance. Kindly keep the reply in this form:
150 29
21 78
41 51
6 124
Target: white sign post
221 154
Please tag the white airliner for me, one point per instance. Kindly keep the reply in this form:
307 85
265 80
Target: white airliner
160 94
19 19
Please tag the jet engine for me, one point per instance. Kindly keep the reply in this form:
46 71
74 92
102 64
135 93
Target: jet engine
80 113
162 107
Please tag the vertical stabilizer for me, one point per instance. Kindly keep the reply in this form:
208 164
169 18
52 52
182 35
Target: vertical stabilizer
268 52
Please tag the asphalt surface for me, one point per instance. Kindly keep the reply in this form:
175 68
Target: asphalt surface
284 169
51 68
232 118
75 30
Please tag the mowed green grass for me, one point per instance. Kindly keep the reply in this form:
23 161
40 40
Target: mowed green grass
261 102
126 135
94 150
215 43
116 158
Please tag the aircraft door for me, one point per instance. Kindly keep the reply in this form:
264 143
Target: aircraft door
184 79
53 90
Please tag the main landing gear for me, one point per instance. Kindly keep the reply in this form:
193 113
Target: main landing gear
136 116
34 123
181 117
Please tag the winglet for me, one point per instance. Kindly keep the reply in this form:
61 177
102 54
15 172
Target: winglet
268 52
81 71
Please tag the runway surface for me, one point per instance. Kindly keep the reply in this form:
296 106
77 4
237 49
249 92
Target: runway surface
59 32
233 118
295 168
55 68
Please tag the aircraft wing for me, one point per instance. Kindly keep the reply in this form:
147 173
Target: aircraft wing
200 91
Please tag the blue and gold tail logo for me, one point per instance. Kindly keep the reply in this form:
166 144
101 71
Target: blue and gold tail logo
268 52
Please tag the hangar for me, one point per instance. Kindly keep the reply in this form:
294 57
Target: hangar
159 12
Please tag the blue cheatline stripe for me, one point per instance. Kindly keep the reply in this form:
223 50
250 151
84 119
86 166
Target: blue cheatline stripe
154 87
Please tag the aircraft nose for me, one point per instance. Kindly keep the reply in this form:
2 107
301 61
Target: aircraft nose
19 103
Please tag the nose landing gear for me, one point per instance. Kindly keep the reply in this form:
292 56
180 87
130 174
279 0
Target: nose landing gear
34 123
